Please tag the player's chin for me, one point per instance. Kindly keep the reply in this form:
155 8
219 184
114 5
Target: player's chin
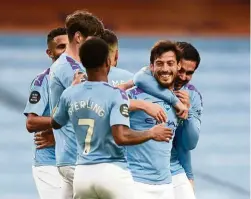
165 84
166 81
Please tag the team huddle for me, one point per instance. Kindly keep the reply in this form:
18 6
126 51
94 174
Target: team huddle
101 132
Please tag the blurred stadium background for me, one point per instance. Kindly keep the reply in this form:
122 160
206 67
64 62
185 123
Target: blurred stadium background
219 29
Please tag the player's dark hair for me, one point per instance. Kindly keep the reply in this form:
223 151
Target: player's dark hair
94 53
189 52
54 33
85 23
109 37
164 46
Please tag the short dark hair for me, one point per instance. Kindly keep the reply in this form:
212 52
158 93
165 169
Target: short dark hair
164 46
109 37
84 22
94 52
54 33
189 52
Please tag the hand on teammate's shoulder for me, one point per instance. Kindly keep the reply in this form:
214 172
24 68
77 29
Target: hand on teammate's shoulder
78 77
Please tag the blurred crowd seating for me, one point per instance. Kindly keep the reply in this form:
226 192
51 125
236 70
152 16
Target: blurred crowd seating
193 17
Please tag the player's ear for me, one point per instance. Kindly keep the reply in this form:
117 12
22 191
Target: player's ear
108 64
151 67
78 37
116 55
179 65
49 53
108 61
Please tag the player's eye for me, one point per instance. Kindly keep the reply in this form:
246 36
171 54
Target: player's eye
189 72
159 63
61 46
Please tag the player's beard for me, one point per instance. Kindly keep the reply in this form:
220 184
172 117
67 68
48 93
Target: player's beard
55 57
165 79
179 83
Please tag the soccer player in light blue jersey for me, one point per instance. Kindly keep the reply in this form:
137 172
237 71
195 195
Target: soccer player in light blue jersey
187 134
45 173
100 118
79 25
150 161
116 75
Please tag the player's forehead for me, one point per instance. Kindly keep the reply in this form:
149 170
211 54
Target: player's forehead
166 57
60 39
188 65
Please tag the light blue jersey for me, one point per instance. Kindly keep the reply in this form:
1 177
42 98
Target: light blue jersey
150 162
187 135
38 104
119 76
92 117
61 77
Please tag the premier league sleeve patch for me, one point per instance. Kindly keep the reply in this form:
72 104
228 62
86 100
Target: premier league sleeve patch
34 97
124 110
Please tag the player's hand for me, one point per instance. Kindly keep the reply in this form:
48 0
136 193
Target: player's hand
126 85
192 183
181 110
78 77
156 111
183 97
44 139
161 133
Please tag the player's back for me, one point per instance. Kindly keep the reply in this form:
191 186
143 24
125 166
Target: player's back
89 107
61 77
150 162
119 76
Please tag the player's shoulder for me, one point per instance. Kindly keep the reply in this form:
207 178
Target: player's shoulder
194 92
61 61
124 71
114 91
73 88
109 88
134 92
64 64
41 79
121 72
192 88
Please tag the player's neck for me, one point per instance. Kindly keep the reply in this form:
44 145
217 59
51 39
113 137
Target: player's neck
96 76
73 51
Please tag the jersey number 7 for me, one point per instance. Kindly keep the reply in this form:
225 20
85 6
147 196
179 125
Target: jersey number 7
90 124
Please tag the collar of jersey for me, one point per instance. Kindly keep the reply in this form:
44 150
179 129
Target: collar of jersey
94 82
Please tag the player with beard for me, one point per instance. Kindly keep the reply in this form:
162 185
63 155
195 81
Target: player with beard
45 173
150 161
187 134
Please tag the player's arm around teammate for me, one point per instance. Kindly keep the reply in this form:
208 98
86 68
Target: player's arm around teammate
151 86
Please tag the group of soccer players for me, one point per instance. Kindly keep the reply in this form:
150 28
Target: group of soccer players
101 132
